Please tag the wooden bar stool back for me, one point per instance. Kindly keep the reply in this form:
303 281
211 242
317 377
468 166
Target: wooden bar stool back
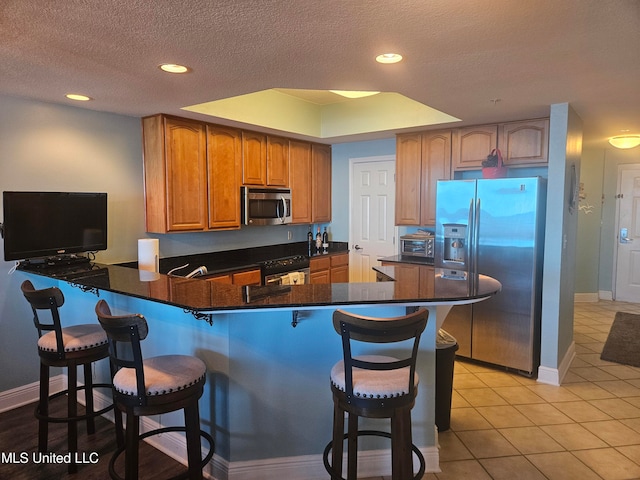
152 386
375 386
67 347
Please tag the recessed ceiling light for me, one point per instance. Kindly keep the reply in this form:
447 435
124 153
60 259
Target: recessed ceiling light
389 58
78 97
353 93
173 68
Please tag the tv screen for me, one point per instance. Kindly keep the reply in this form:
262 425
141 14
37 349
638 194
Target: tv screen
45 224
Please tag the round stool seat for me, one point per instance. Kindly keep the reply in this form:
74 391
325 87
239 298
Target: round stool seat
162 375
374 383
74 338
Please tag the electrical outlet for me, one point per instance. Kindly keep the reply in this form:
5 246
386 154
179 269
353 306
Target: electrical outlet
289 235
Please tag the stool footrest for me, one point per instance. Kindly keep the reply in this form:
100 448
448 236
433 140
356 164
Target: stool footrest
158 431
77 418
370 433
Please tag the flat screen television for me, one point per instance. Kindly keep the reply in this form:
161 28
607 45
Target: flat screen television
48 224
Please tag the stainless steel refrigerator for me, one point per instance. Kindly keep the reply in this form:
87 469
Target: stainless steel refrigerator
495 227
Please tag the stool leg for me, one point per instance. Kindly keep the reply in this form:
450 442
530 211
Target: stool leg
43 408
194 450
401 443
352 447
72 411
338 434
131 451
117 419
88 398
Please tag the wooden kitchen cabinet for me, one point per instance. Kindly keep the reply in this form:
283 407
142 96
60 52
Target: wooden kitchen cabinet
421 160
265 160
192 175
471 145
175 169
320 270
240 278
254 158
224 161
524 143
320 183
340 268
300 181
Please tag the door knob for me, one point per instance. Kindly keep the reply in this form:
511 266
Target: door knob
357 247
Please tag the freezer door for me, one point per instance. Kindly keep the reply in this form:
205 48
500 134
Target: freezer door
506 327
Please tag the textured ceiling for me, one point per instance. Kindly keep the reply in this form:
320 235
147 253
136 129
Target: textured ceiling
458 54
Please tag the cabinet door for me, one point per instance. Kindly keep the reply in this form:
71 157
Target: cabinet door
277 162
408 178
321 183
320 277
186 175
300 181
340 268
471 145
250 277
436 165
254 158
224 153
225 279
525 143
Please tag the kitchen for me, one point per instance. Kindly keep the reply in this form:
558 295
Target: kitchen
97 151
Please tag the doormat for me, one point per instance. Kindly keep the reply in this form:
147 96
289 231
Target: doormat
623 342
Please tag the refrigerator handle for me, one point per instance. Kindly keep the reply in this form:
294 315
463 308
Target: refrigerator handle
470 239
476 237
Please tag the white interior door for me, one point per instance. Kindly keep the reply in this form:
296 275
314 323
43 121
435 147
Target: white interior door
371 218
627 278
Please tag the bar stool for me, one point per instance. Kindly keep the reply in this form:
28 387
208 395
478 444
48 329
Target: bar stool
65 347
375 386
152 386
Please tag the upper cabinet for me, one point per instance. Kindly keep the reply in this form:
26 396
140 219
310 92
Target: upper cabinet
192 173
265 160
300 181
175 168
471 145
320 183
224 160
421 160
524 143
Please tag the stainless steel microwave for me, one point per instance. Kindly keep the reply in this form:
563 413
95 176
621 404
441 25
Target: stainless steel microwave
266 206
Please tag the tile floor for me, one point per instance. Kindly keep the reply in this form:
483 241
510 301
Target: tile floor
505 426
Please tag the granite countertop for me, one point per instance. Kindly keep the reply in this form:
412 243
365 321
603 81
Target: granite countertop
408 259
200 295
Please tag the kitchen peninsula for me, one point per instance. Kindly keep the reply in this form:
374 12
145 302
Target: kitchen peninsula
266 380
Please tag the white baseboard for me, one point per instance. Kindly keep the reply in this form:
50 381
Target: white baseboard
371 463
605 295
554 376
586 297
17 397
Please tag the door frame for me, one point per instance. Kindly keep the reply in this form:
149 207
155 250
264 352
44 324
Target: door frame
374 159
614 279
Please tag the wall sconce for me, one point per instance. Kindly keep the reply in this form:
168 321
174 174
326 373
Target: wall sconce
625 141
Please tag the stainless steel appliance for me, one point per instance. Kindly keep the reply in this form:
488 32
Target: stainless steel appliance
417 245
495 227
292 270
266 206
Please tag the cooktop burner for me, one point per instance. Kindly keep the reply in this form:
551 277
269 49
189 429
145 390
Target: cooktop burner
286 264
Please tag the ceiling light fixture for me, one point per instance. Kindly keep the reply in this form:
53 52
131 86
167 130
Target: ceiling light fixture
389 58
353 93
625 141
78 97
173 68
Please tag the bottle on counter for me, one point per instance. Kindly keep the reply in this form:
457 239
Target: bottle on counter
318 241
310 239
325 241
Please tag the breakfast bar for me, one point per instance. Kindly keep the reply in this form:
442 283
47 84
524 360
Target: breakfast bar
268 352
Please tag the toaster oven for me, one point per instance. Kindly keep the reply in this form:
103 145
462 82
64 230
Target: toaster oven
417 245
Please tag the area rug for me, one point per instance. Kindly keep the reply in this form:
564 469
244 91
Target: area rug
623 342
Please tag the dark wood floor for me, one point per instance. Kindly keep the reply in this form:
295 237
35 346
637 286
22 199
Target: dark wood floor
19 433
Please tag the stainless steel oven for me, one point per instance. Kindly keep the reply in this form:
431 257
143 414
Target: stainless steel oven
266 206
286 271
